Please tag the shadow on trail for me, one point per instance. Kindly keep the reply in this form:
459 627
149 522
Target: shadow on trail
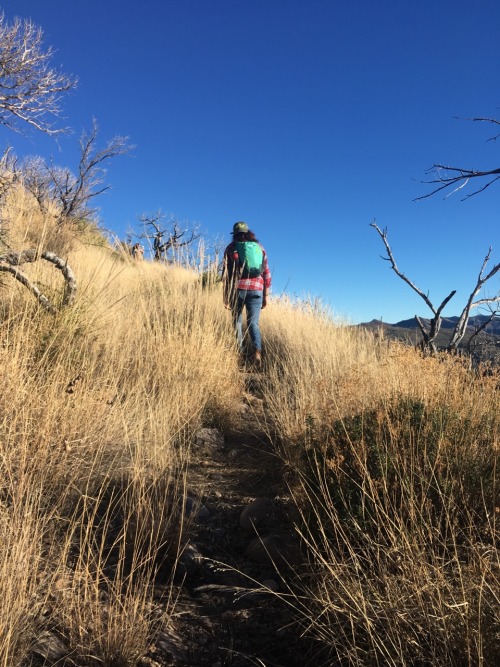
242 554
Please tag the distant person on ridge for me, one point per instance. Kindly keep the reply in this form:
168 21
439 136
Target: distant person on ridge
246 282
138 251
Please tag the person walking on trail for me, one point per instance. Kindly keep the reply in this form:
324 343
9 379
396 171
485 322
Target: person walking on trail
246 283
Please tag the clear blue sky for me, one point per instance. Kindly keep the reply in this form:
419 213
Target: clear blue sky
306 118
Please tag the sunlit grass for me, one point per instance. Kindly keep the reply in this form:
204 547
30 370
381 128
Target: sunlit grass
392 462
98 410
390 458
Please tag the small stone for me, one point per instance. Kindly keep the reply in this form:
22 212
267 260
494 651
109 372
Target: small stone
62 583
274 550
168 645
254 401
189 505
272 585
219 533
260 516
203 514
49 647
190 561
210 438
148 662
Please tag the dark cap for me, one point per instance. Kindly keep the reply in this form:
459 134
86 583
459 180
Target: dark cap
240 228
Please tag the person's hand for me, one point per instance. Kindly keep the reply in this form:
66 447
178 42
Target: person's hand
264 301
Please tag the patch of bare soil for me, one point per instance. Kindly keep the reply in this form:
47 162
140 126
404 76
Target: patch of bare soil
242 552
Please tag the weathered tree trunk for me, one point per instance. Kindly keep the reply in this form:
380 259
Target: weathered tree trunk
9 263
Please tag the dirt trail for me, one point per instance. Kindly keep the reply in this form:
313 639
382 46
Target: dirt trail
227 614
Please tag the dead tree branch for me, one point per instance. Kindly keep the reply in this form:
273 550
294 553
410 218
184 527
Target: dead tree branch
71 196
24 280
8 171
463 320
430 335
11 261
459 179
473 340
483 120
30 89
162 238
451 179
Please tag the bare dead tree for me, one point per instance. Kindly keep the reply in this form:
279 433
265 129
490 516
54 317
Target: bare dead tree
36 180
452 179
7 179
71 196
463 320
165 237
474 339
8 171
429 334
11 261
30 89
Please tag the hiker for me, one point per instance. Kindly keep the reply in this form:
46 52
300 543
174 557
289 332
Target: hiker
137 251
158 246
246 282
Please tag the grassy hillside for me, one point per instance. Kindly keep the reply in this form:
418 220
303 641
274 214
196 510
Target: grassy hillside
389 457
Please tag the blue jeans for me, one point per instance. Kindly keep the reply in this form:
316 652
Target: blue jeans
251 300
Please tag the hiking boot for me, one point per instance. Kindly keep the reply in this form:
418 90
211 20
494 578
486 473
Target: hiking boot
257 358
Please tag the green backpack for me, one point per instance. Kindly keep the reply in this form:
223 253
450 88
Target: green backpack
250 258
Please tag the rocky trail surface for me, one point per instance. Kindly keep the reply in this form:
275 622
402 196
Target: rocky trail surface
232 609
231 589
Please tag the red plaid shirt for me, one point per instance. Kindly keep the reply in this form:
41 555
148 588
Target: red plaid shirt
258 284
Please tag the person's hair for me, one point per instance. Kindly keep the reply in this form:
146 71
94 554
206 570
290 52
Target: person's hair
245 236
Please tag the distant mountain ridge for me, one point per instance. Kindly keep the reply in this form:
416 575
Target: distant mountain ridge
450 323
408 331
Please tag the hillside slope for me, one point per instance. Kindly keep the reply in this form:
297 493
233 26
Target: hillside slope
160 505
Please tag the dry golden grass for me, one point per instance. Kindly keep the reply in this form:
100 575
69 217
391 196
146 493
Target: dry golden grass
392 460
30 227
98 409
